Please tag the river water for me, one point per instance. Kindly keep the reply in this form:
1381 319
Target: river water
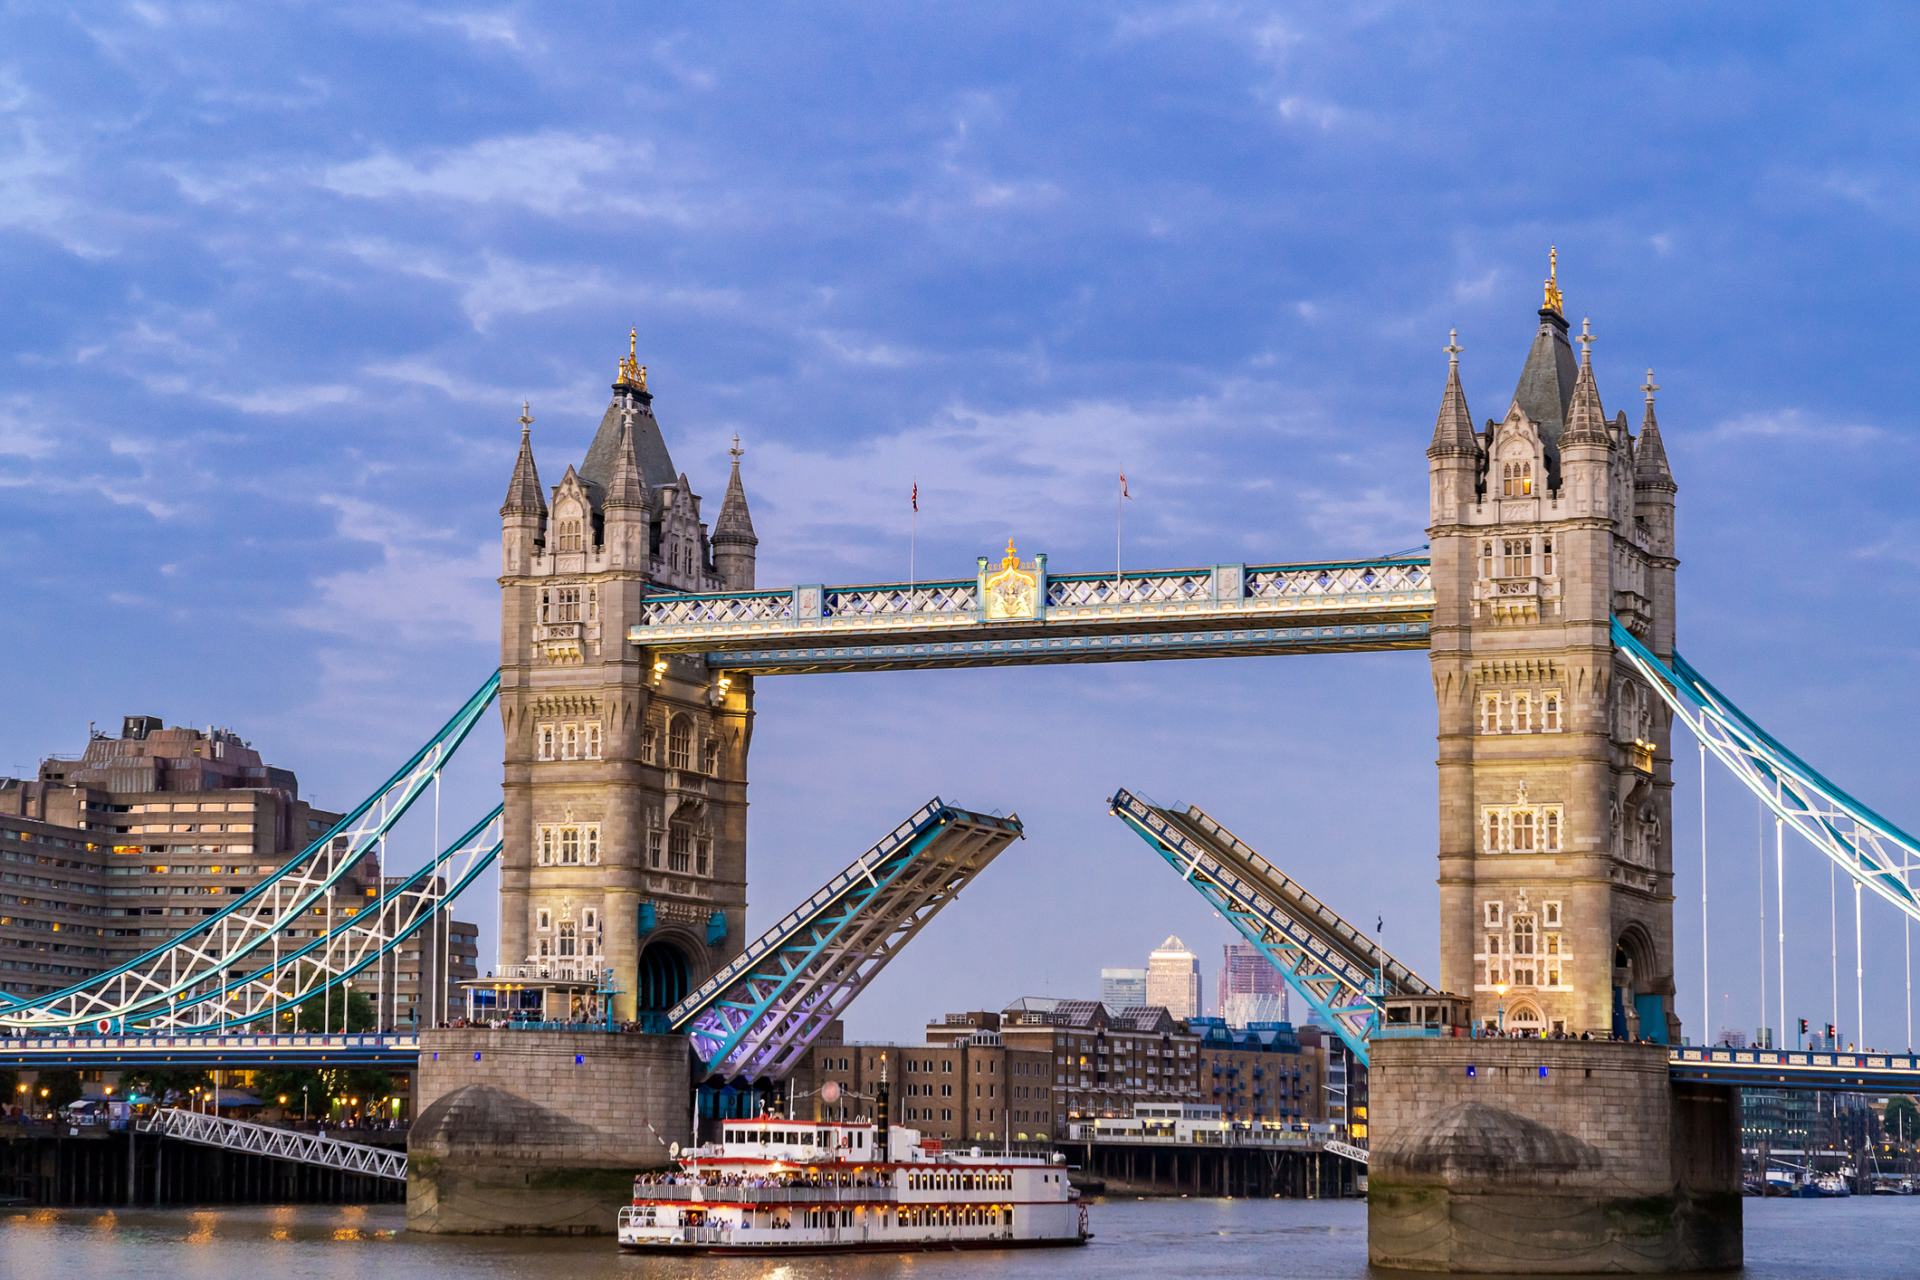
1862 1237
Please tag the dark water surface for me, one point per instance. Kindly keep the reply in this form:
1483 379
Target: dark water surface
1175 1239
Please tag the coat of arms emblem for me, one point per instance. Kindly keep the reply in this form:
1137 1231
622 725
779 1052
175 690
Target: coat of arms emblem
1012 590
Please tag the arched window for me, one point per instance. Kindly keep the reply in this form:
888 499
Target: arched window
570 741
593 740
569 939
546 846
1523 713
649 744
1550 831
1550 712
546 742
680 849
1489 713
680 743
569 845
1492 834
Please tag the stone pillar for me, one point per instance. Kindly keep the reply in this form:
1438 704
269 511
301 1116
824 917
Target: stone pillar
540 1132
1548 1157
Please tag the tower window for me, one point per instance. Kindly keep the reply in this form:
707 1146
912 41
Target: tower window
1516 557
592 745
545 740
656 842
570 741
1516 479
1550 711
1486 557
1489 713
680 743
1492 914
649 744
1523 713
569 939
567 535
543 920
680 850
1550 912
703 855
1546 555
1522 830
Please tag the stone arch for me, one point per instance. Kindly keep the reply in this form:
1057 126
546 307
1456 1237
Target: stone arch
665 974
1637 996
1524 1018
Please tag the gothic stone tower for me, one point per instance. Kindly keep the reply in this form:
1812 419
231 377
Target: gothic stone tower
626 777
1556 839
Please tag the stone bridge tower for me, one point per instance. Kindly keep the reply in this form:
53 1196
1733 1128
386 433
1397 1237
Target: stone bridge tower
625 777
1556 833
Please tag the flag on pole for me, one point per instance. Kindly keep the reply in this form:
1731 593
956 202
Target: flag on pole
1123 487
915 499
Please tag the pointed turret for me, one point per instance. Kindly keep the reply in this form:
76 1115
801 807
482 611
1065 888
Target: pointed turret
1453 429
524 495
734 541
1586 420
1651 470
626 488
1547 378
649 446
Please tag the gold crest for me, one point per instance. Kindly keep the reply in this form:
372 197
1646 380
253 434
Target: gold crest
1013 591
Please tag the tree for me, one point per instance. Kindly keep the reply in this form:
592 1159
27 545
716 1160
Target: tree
156 1084
1901 1120
322 1011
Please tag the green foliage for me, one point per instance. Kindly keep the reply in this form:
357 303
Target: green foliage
155 1084
323 1012
1901 1121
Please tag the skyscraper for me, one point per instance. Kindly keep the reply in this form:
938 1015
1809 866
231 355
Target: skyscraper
1173 978
1120 988
1250 989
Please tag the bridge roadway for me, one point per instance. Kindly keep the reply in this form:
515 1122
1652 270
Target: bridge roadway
1018 613
1827 1070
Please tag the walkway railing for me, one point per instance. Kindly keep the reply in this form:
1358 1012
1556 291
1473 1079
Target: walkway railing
277 1144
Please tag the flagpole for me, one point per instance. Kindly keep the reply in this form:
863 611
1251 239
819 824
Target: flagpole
913 542
1119 505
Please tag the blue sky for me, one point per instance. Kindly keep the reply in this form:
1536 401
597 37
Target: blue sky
278 282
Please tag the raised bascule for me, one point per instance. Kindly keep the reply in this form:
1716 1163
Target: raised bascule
1534 1106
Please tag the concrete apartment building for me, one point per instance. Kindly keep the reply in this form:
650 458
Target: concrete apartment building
109 854
1122 987
426 972
1250 989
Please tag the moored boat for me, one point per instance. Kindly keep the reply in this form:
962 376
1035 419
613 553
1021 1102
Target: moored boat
773 1185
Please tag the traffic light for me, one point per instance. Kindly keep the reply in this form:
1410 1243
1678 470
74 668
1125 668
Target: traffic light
1833 1037
1803 1026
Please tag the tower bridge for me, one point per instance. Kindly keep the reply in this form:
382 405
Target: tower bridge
633 632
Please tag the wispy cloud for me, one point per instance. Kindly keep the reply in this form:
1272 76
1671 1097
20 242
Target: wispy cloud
1796 425
555 173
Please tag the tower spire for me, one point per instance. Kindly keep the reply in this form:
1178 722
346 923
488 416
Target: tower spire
1586 420
1650 467
734 540
1453 429
524 495
1551 301
625 489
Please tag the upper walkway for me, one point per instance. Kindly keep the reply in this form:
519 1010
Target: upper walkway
392 1050
1019 613
1828 1069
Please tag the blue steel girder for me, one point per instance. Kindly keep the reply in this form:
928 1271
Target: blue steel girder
1342 974
757 1015
1215 611
204 953
1872 850
1043 650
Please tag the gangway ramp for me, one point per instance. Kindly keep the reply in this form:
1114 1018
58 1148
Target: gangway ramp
277 1144
1340 972
755 1017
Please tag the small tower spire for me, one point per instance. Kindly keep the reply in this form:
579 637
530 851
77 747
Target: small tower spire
1650 457
524 495
626 490
1586 420
1453 429
734 540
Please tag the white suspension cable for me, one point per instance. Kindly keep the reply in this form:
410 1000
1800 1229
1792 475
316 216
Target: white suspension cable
1780 914
1706 988
1760 846
1833 943
1859 973
1907 929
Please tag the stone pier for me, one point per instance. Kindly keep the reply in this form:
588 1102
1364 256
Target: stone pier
1548 1157
540 1132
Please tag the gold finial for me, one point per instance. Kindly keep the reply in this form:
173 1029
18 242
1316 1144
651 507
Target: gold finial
631 370
1012 559
1553 301
736 451
526 411
1650 386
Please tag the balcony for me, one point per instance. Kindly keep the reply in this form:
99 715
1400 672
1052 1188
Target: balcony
704 1194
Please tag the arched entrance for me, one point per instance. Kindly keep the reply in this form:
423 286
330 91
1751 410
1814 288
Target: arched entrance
1639 1008
665 976
1525 1019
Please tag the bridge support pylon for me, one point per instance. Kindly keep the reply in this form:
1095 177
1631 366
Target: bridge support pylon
1549 1157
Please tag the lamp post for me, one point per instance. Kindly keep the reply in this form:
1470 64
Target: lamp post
303 1104
1500 1024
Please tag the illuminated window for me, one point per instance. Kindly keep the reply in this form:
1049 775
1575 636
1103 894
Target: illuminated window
680 743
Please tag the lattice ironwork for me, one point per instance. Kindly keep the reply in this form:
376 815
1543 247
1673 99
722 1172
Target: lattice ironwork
1183 587
1315 582
207 955
900 599
756 1016
276 1144
1876 853
733 607
1339 971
